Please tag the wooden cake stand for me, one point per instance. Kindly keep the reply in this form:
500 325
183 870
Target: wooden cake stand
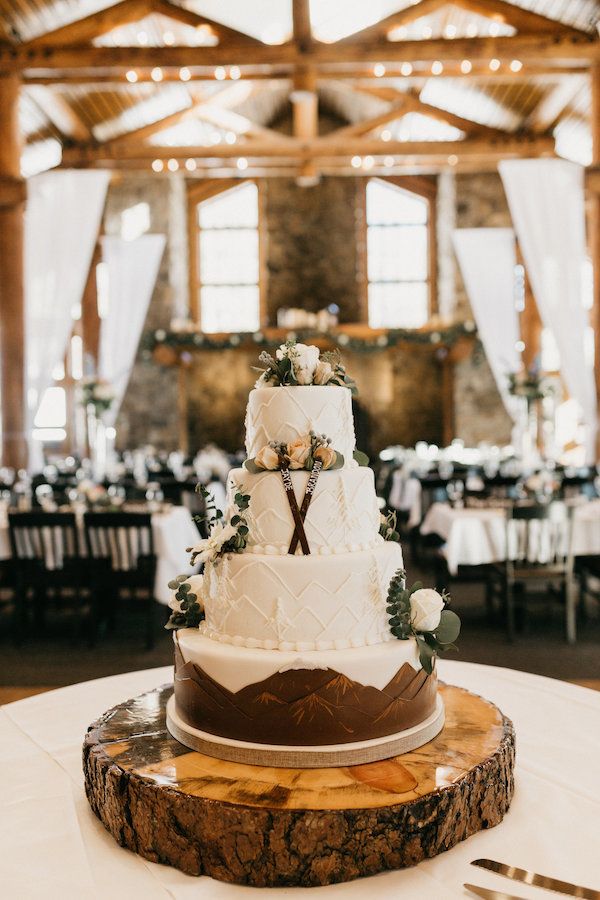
272 826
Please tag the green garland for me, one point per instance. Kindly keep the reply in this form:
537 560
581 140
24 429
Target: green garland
184 340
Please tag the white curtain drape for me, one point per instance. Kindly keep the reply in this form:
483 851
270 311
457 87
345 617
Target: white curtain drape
132 268
62 220
487 259
546 200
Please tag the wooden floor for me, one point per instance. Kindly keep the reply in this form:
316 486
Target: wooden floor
10 694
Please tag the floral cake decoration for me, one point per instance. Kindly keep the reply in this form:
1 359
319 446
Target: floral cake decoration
301 453
302 364
422 613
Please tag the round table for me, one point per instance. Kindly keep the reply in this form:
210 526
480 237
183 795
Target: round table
54 848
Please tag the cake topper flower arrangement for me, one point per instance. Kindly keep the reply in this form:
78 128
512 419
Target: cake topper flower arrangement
422 613
302 453
302 364
230 536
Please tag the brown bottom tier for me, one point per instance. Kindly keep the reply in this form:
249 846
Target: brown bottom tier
303 707
296 827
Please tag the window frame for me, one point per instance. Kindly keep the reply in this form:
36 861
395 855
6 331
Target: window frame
198 193
426 188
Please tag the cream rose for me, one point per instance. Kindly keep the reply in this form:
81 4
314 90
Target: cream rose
326 455
267 458
305 358
323 373
426 607
297 452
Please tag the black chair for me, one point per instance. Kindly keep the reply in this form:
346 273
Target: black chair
524 526
48 563
120 548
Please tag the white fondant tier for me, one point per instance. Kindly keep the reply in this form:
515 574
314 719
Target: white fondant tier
237 667
284 414
343 514
313 603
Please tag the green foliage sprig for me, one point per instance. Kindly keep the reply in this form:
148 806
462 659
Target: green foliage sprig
429 643
223 537
190 612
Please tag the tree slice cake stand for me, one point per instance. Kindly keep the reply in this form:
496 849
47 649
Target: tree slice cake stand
267 826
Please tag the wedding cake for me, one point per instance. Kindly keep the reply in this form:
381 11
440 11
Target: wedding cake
300 643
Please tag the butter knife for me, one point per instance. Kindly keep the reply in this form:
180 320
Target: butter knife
542 881
487 894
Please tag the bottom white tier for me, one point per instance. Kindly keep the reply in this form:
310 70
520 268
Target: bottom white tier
237 667
334 755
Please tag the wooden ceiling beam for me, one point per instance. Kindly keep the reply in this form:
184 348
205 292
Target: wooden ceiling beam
542 48
61 114
524 21
81 31
187 17
395 111
412 103
319 148
380 30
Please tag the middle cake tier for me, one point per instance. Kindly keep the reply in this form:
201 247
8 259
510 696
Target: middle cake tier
343 514
301 603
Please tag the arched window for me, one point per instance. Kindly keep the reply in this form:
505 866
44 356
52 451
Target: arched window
398 256
228 260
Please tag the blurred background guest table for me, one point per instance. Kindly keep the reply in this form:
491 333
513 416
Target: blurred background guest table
55 848
476 536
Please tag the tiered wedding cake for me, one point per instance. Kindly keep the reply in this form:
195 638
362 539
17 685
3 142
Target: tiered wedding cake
292 657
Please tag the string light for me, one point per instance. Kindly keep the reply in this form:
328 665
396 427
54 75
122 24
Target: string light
242 163
452 160
220 73
235 73
157 165
368 162
230 137
191 165
172 165
185 74
494 65
520 346
437 67
379 70
494 29
406 69
516 65
131 76
466 66
356 162
386 135
388 162
156 74
168 38
450 31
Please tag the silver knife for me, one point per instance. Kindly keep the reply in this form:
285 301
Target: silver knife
542 881
486 894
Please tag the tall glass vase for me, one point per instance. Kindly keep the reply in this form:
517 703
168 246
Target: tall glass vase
97 440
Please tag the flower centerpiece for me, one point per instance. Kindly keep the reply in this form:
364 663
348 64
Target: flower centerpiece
530 383
302 364
422 613
98 393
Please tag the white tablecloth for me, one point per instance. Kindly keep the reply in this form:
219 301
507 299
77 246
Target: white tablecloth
172 532
54 848
476 537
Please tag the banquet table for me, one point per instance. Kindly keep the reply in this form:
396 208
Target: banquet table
477 536
54 848
172 531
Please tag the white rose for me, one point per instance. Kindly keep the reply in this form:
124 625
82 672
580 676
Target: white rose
283 351
209 547
305 359
426 607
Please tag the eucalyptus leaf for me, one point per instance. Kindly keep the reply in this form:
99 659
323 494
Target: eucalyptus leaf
449 628
361 458
251 466
426 655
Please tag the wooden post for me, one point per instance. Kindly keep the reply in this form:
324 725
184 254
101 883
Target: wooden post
12 297
594 202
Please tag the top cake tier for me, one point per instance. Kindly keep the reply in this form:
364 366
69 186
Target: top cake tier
284 414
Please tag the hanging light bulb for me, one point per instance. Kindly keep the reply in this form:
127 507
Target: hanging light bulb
242 163
437 67
466 66
156 74
379 70
220 73
172 165
157 165
494 65
406 69
185 74
191 165
131 76
516 65
235 73
356 162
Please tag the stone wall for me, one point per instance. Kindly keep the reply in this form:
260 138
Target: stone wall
314 257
